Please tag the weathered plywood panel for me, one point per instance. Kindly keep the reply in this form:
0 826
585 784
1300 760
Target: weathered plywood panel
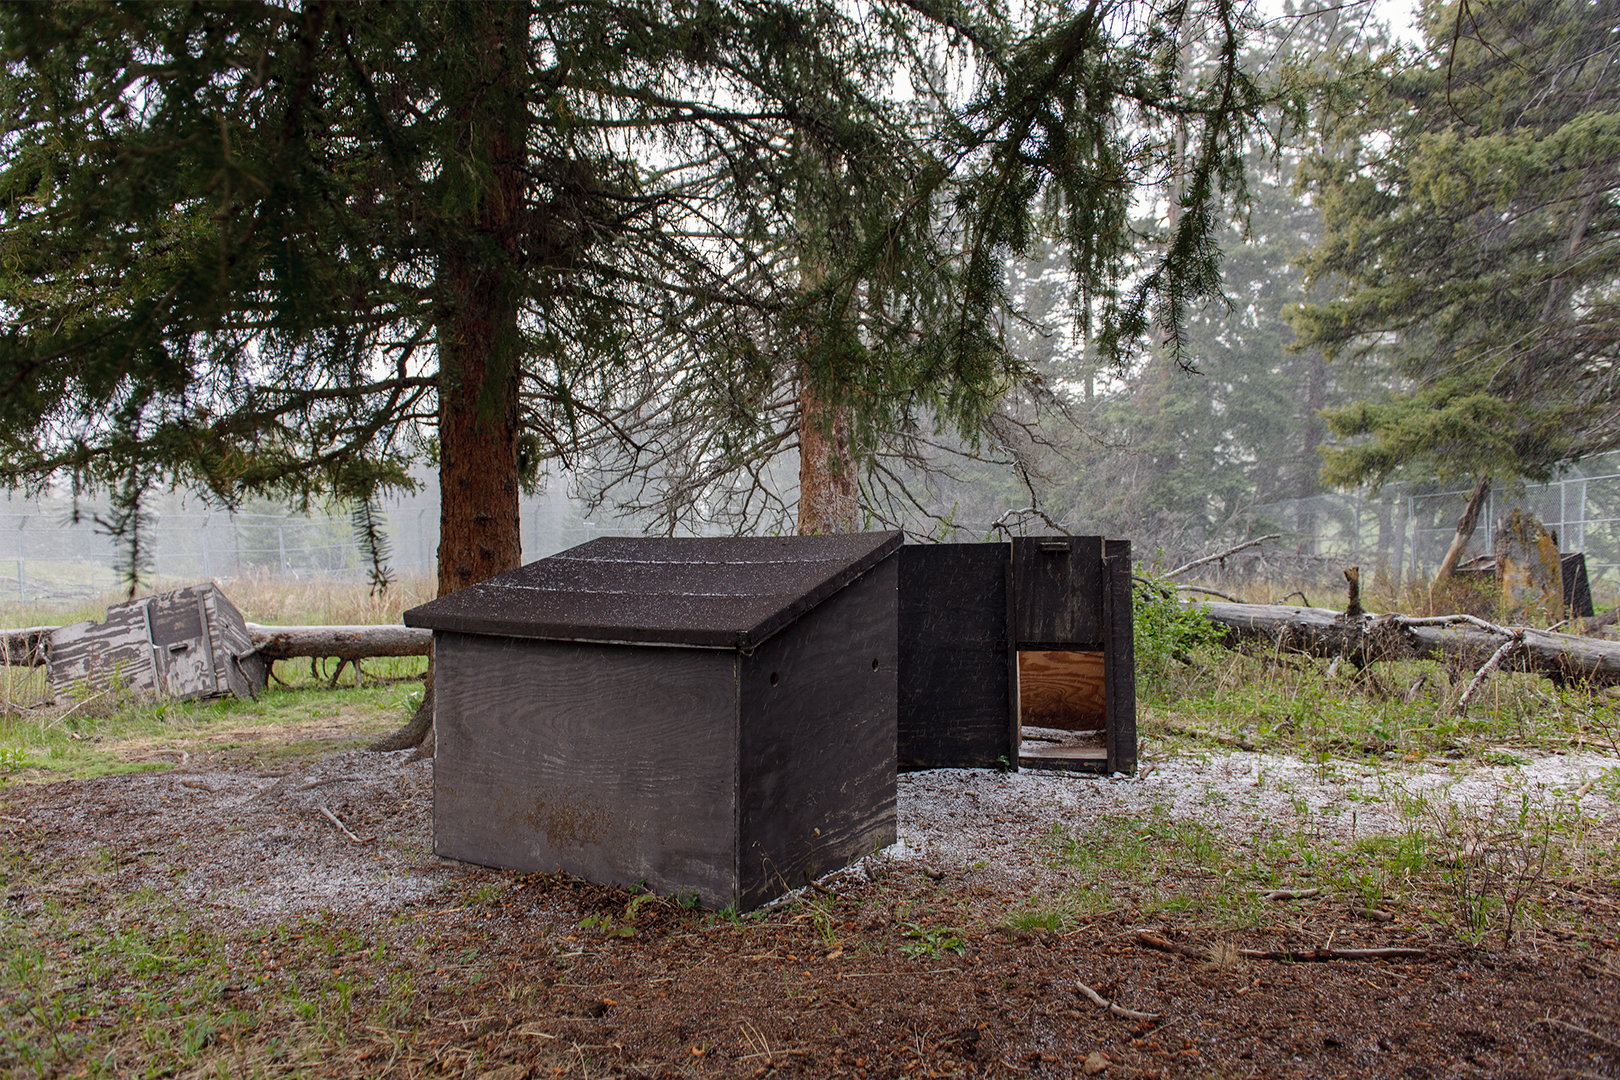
816 761
94 658
1577 586
954 688
1062 689
245 671
1057 588
616 763
181 645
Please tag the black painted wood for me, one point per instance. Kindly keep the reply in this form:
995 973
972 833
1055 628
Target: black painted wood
726 592
955 687
816 752
1119 656
615 763
1057 582
1577 587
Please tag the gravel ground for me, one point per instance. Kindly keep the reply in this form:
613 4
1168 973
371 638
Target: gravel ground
258 847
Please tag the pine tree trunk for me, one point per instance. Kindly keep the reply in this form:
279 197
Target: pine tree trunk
829 494
479 282
1465 529
478 285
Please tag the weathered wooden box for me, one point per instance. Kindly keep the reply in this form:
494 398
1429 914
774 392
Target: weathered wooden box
708 716
1017 653
189 643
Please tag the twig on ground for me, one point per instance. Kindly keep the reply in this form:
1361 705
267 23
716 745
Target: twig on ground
1154 941
1318 953
344 829
1292 894
1374 914
1218 556
823 890
1502 653
1299 593
1566 1025
76 708
1113 1008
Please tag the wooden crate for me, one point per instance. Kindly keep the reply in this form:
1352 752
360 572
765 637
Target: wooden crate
189 643
698 716
1017 653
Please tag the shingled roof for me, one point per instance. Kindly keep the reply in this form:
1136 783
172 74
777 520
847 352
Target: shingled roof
716 592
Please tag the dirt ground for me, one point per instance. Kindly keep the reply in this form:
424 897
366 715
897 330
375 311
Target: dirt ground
910 964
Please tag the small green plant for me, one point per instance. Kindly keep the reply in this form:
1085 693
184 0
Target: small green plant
932 942
1167 631
1038 920
606 926
12 759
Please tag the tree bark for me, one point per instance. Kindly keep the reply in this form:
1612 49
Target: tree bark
478 285
1465 529
829 493
341 642
479 278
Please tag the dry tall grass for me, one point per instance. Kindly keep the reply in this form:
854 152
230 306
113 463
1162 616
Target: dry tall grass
262 599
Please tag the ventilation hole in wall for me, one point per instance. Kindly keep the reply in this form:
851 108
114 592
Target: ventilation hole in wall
775 678
874 663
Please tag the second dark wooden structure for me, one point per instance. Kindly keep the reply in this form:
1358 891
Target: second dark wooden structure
1017 654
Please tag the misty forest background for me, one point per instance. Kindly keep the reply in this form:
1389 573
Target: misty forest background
1435 203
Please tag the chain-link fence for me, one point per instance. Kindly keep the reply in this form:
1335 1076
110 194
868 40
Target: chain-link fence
1404 530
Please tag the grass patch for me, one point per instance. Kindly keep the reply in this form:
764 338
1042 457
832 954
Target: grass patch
303 721
1399 710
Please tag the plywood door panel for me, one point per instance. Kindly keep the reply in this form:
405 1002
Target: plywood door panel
616 763
816 763
1057 590
954 693
1061 689
181 645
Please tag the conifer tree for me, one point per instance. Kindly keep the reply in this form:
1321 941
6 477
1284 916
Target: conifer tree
1471 203
265 248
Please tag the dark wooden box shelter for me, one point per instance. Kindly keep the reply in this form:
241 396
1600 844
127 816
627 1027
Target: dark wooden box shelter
189 643
1017 654
708 716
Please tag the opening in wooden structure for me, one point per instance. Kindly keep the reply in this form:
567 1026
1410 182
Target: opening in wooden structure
1062 706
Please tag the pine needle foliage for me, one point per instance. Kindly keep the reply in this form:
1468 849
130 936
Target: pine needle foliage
257 248
1471 200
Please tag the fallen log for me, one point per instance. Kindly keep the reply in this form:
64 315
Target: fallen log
30 647
1370 638
339 642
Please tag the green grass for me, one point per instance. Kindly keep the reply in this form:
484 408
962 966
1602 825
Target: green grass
304 720
1400 710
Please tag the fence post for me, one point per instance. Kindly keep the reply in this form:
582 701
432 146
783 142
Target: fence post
22 523
208 562
281 549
